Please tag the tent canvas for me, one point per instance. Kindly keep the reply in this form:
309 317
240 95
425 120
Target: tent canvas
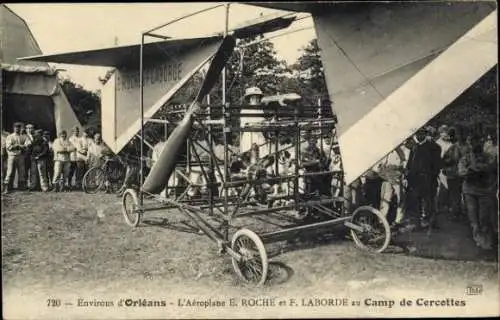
30 91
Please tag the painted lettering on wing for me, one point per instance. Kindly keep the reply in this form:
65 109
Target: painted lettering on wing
157 74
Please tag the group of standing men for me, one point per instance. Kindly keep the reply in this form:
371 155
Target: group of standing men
42 164
431 173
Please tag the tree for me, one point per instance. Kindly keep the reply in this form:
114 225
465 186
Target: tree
253 63
475 110
309 72
86 104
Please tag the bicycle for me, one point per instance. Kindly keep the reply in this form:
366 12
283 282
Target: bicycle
108 177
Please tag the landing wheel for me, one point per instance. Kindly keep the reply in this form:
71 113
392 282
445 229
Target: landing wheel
253 265
130 208
374 233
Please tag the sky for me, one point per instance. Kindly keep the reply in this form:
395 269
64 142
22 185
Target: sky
76 27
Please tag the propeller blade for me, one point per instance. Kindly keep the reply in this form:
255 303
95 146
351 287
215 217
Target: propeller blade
218 62
162 170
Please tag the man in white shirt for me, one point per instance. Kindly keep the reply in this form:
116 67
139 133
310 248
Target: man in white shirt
16 145
98 151
78 157
444 141
62 148
89 141
391 169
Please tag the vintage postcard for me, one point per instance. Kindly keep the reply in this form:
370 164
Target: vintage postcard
249 160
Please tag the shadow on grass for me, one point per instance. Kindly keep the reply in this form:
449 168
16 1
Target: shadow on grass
278 273
180 226
310 239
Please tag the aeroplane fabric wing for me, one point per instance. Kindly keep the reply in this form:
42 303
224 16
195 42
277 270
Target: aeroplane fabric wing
122 118
120 56
391 68
263 25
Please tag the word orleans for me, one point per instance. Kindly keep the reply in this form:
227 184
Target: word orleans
130 79
141 303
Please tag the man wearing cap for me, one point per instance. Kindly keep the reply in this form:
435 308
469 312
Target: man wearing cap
78 157
480 188
15 144
39 156
30 130
50 157
423 168
62 149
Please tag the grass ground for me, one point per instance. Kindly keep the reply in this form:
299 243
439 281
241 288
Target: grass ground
71 245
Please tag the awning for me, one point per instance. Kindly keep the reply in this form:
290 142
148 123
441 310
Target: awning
28 69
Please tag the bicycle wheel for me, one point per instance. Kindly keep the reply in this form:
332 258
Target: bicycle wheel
116 175
93 180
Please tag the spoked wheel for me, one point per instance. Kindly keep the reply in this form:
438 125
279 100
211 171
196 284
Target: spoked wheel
253 265
93 180
116 175
375 234
130 208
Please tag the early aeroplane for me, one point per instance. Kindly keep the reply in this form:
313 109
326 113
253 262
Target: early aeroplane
389 69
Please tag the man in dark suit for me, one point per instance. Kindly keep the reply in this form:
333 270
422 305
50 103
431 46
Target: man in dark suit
423 168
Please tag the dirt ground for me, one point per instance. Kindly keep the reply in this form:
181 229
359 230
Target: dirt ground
69 245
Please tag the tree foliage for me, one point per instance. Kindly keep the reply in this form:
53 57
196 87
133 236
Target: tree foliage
309 72
254 64
475 110
86 104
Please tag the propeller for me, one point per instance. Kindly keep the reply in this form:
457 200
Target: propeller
162 170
